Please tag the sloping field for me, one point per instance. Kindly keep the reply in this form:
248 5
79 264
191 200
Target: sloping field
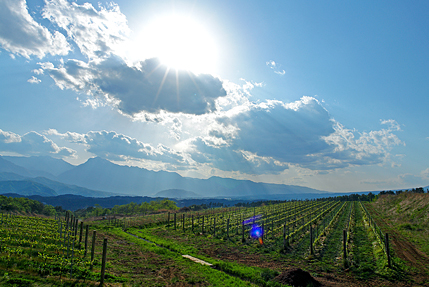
406 218
300 244
409 214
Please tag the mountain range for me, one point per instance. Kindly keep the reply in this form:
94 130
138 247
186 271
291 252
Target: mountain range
99 177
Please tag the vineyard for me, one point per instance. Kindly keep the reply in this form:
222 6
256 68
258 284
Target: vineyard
337 243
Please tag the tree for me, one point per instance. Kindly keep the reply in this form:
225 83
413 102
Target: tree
49 210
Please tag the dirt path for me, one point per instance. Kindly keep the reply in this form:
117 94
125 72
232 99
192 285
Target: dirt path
406 251
403 248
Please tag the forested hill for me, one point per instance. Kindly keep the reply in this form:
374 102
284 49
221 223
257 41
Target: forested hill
26 206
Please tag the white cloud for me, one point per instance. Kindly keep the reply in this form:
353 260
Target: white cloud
106 78
97 33
120 147
34 80
393 125
275 67
425 174
32 143
227 158
70 136
27 37
271 136
38 71
151 89
275 134
365 148
176 129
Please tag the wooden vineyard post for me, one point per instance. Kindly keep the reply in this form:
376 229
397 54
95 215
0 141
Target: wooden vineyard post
214 226
168 220
175 221
324 225
311 240
227 228
68 244
72 223
202 228
61 228
272 229
288 240
316 229
75 227
71 261
242 232
81 231
389 263
103 262
345 247
86 239
192 223
284 236
183 222
93 247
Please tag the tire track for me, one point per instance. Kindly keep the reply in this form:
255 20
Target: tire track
404 249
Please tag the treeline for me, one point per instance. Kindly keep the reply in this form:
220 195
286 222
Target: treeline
355 197
132 208
25 206
414 190
350 197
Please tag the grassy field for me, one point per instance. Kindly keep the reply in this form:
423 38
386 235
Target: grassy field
146 251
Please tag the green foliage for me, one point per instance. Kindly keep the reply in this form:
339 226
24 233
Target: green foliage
49 210
130 208
268 274
23 205
19 282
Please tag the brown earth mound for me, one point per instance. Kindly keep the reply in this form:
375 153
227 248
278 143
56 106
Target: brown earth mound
297 277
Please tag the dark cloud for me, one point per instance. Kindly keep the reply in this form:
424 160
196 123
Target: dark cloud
227 159
151 88
283 133
269 137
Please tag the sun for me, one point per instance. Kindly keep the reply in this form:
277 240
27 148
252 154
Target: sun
180 42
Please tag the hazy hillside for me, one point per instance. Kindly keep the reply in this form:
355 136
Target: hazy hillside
39 164
100 174
62 188
98 177
11 176
7 166
177 193
25 187
74 202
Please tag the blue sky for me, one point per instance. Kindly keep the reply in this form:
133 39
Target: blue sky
331 95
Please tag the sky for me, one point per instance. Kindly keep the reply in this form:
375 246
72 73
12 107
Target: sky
331 95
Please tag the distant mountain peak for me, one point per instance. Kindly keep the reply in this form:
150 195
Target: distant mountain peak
40 165
98 160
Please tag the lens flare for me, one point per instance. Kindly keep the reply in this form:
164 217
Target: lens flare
256 232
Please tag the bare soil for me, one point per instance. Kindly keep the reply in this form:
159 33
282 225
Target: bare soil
406 251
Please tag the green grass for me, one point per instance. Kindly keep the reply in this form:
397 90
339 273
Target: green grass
132 261
260 276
